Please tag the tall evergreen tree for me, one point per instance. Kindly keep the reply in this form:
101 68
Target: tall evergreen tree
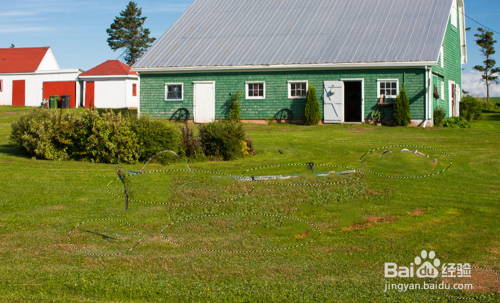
486 43
311 110
127 32
402 114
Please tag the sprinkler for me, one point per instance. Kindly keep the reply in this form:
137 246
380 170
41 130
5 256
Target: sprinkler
125 187
385 152
311 165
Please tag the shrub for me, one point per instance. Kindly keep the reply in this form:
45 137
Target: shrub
235 107
439 115
456 122
497 105
190 146
470 109
155 136
485 105
34 131
312 112
223 139
402 114
107 138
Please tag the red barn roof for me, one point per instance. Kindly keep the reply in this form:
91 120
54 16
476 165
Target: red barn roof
21 60
109 68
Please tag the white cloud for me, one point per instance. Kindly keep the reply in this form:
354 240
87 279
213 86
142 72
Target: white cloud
16 13
25 29
472 83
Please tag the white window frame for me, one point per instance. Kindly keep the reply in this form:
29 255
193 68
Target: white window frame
442 90
290 88
442 57
247 84
388 80
166 91
454 13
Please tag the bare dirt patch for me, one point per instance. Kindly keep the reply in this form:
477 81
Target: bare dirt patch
302 236
484 281
378 220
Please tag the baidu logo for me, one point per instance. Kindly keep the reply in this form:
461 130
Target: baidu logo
427 266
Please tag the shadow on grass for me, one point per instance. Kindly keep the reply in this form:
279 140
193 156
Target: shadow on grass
12 150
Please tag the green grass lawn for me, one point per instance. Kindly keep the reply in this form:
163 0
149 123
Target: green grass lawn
363 224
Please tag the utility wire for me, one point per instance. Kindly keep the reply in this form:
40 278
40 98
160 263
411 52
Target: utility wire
473 20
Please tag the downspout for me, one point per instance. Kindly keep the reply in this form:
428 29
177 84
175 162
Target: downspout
426 97
138 94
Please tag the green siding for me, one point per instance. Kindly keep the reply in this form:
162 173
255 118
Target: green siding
452 63
153 90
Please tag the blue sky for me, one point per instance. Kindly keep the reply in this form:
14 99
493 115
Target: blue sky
76 30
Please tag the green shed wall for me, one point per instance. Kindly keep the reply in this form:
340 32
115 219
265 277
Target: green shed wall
452 55
226 83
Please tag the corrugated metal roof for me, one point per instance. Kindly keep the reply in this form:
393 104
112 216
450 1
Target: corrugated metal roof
287 32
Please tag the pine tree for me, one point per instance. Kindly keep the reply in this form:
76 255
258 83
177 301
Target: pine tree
402 114
312 112
127 32
486 43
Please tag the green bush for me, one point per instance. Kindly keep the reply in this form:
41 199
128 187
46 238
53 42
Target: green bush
235 107
224 139
402 114
312 113
497 105
155 136
456 122
111 138
470 109
34 131
105 138
439 116
485 105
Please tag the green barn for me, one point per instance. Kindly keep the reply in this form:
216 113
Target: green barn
357 53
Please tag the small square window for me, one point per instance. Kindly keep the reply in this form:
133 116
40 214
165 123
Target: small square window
389 88
134 90
297 89
174 91
255 90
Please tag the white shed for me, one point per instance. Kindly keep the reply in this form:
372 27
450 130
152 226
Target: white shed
29 75
111 85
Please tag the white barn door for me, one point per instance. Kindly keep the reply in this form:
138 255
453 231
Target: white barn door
334 102
204 102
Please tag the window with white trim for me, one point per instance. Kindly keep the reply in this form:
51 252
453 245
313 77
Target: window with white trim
174 91
1 86
454 13
297 89
442 90
255 90
388 87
